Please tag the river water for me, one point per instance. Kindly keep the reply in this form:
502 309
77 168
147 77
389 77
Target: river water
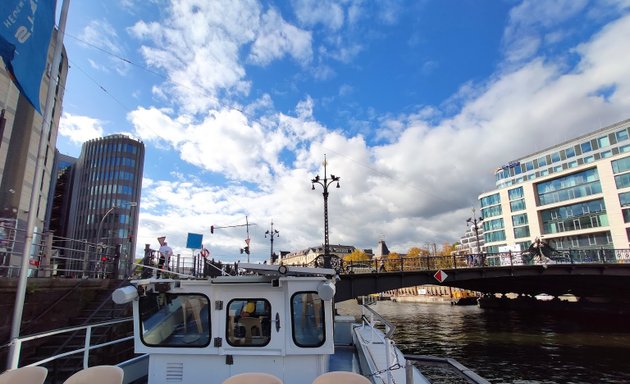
513 347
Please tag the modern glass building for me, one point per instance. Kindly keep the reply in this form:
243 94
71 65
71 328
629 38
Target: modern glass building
105 200
572 195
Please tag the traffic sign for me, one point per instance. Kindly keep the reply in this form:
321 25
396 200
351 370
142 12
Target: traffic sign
440 276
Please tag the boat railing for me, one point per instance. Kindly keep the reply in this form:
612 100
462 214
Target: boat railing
371 319
450 370
85 350
447 369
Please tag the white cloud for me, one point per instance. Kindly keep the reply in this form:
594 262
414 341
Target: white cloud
199 47
101 35
276 38
79 129
531 20
313 12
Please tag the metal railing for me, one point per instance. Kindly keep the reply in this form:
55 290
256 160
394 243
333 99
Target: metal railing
53 256
85 350
503 259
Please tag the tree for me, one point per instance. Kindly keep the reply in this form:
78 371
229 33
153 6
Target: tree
356 255
392 262
413 259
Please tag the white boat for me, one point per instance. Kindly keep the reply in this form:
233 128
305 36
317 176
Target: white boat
276 320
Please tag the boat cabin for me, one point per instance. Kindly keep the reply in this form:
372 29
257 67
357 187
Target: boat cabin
278 321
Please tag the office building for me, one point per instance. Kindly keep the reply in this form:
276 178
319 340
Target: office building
20 134
105 201
574 195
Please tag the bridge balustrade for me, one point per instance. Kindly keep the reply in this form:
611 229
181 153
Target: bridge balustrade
502 259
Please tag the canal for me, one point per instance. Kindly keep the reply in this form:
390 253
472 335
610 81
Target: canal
514 347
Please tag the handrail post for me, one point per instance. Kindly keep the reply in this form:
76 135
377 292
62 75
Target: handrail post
14 353
86 259
408 372
388 364
86 352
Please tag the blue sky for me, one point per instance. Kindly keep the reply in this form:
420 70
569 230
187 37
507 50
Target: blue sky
415 104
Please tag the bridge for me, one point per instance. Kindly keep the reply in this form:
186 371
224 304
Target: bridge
597 273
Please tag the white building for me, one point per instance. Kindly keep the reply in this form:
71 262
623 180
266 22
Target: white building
573 195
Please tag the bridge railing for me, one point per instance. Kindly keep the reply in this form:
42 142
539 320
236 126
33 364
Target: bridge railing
501 259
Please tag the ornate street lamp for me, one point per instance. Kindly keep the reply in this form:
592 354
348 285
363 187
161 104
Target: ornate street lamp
474 221
272 233
325 182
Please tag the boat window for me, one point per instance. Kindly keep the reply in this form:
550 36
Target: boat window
174 320
307 319
248 322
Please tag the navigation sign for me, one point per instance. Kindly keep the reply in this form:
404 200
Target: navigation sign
194 241
440 276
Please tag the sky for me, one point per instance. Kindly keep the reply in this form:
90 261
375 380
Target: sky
414 104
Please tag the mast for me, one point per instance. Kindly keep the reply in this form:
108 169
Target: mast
32 211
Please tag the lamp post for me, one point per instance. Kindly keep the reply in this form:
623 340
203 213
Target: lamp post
475 227
272 232
325 182
100 225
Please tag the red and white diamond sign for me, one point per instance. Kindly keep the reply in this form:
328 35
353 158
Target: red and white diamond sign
440 276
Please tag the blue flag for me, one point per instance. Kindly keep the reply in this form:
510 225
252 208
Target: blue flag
25 30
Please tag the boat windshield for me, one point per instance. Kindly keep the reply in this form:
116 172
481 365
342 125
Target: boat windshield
307 316
174 320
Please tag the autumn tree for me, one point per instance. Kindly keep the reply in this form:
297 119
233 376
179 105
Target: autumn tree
392 262
357 255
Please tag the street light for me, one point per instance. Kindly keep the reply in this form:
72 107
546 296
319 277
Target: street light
475 222
272 232
100 225
325 182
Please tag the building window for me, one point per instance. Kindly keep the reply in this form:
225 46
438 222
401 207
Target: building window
622 181
248 322
307 319
621 165
591 214
521 232
517 205
621 135
518 220
491 211
490 200
586 147
491 237
569 152
515 193
603 142
624 200
569 187
491 225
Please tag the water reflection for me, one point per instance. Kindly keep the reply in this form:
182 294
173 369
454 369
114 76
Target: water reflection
513 347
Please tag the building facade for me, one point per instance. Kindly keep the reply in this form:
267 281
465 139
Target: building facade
574 195
473 240
308 255
21 130
105 201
